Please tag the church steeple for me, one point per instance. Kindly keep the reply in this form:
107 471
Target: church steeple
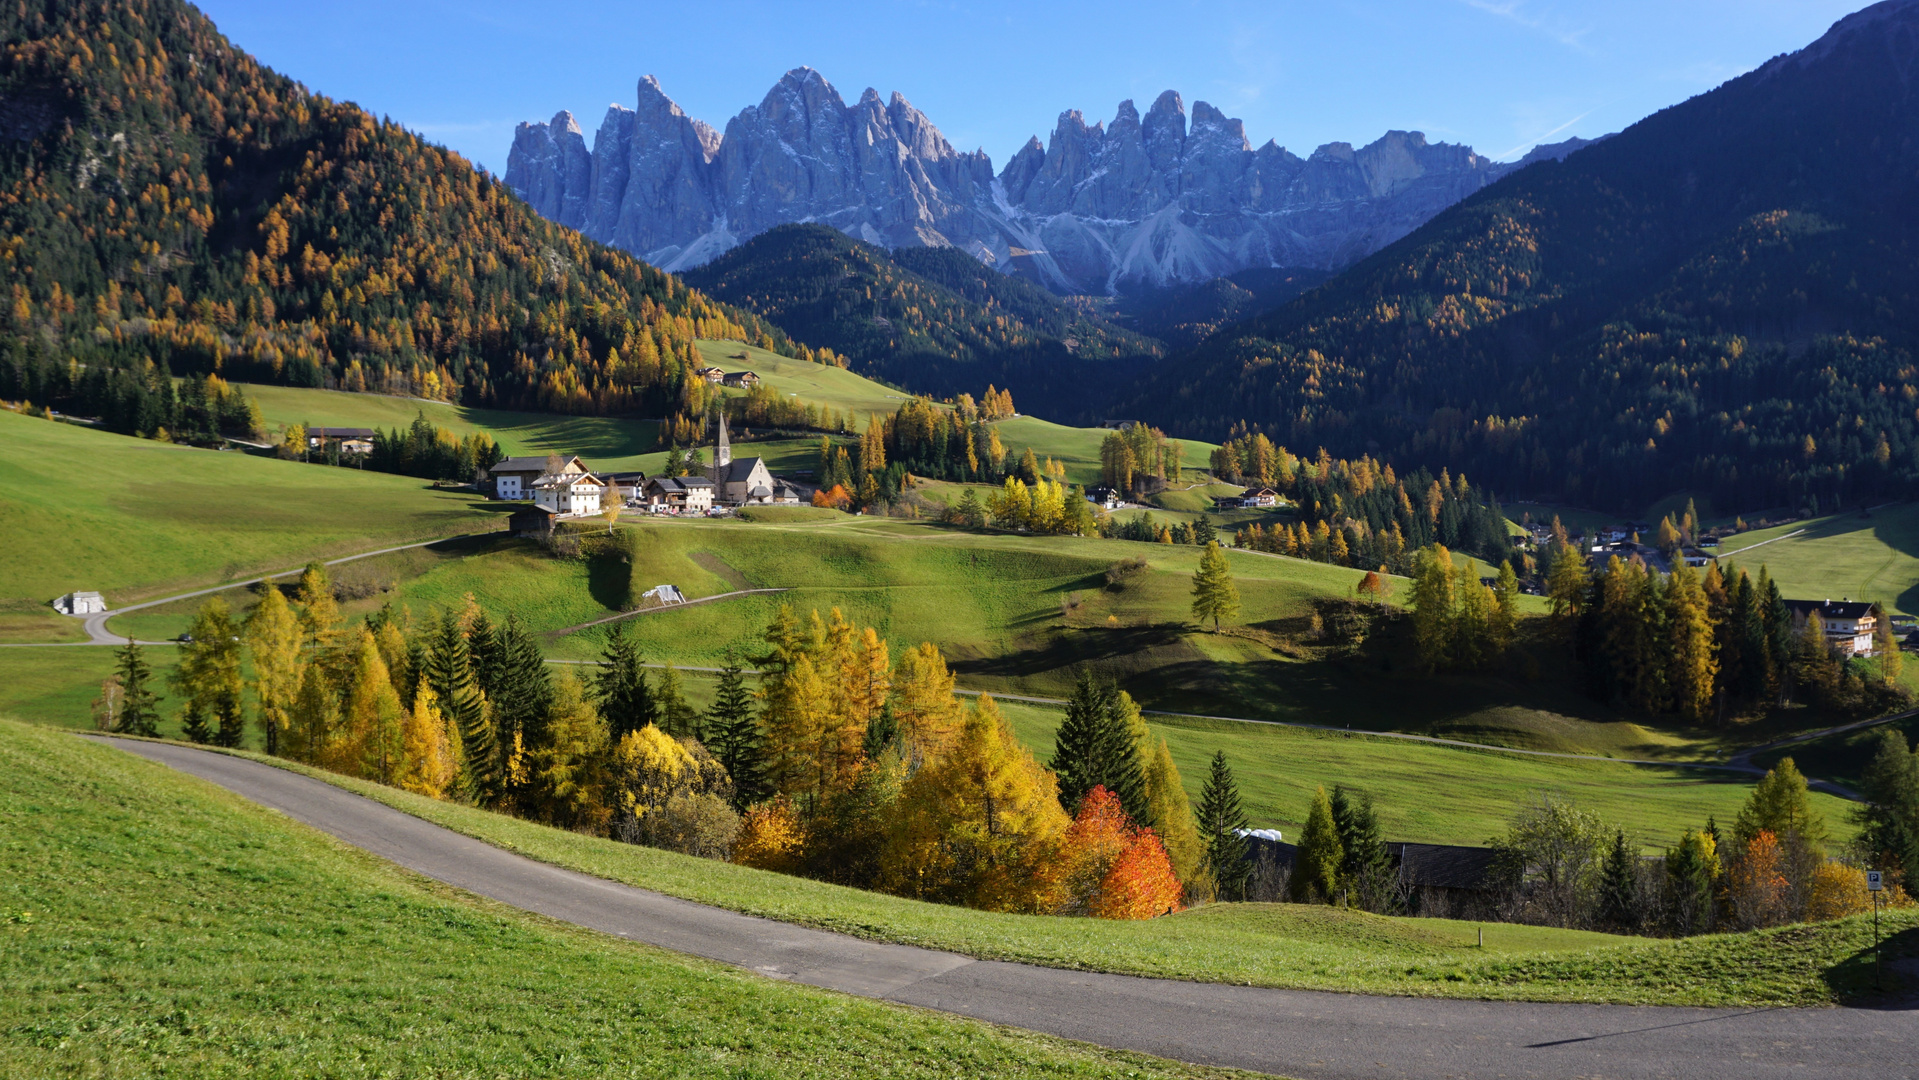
722 453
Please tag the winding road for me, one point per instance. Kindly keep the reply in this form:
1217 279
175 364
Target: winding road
1294 1033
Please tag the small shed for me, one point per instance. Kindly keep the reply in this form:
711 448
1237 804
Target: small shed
536 521
661 595
80 603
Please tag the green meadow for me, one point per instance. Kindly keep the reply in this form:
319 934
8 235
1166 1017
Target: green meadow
1860 555
131 518
152 924
610 443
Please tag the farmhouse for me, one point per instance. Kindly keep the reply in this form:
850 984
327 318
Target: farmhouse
80 603
741 379
569 494
626 485
1848 625
678 494
711 374
1259 498
351 440
1104 496
513 477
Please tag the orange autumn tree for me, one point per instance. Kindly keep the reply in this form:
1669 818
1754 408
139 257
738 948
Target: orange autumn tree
1758 885
1112 868
835 497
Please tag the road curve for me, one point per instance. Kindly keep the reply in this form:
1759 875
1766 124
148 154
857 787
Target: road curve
1295 1033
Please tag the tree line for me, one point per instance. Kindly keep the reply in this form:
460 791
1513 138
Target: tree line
422 449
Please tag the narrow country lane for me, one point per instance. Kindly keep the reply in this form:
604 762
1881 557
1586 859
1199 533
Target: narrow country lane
1294 1033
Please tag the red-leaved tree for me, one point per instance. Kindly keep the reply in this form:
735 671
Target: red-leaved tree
1113 869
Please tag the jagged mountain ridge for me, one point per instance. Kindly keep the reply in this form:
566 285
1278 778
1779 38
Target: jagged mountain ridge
1723 299
1145 201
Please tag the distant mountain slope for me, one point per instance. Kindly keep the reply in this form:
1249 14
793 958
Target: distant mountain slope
934 320
164 197
1148 201
1724 297
1185 315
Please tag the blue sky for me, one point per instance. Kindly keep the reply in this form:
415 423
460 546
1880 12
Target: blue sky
1498 75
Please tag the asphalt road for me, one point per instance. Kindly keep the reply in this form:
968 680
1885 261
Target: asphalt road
1293 1033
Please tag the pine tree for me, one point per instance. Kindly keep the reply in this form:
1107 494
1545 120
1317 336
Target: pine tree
735 733
676 716
274 638
1888 818
449 672
881 734
1317 859
1215 596
626 700
1093 748
520 689
1691 870
208 678
1222 824
1434 604
139 708
1618 885
1364 857
316 715
1567 584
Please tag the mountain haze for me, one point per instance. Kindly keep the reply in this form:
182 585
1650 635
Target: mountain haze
1149 200
1723 297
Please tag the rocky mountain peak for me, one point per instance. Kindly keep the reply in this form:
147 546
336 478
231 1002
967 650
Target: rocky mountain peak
1150 199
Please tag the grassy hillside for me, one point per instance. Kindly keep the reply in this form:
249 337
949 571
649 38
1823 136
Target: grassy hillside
235 942
605 442
84 509
1861 555
1309 947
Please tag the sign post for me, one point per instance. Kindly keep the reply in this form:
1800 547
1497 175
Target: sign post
1875 883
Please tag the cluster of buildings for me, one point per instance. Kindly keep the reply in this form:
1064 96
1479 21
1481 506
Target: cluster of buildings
574 491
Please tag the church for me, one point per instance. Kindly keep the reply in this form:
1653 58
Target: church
746 482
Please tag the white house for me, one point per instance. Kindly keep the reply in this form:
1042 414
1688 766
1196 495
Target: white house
569 494
1259 498
513 477
1848 625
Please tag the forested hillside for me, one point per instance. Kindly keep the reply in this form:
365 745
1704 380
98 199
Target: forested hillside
934 320
168 205
1722 298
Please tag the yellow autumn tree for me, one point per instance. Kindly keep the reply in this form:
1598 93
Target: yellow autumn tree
929 717
568 767
425 748
1170 813
369 742
274 638
977 825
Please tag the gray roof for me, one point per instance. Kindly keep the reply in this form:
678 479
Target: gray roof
739 469
1831 609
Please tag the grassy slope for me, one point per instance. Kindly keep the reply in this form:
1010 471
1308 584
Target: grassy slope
605 442
82 509
239 943
1262 944
1864 557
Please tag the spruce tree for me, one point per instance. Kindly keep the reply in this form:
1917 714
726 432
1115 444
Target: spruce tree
1888 818
881 733
139 708
1316 860
735 734
1094 748
449 673
521 692
1221 823
626 698
1618 885
676 716
1364 856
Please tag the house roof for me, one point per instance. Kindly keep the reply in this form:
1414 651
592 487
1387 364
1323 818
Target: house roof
1832 609
567 480
1444 866
534 509
740 468
532 464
